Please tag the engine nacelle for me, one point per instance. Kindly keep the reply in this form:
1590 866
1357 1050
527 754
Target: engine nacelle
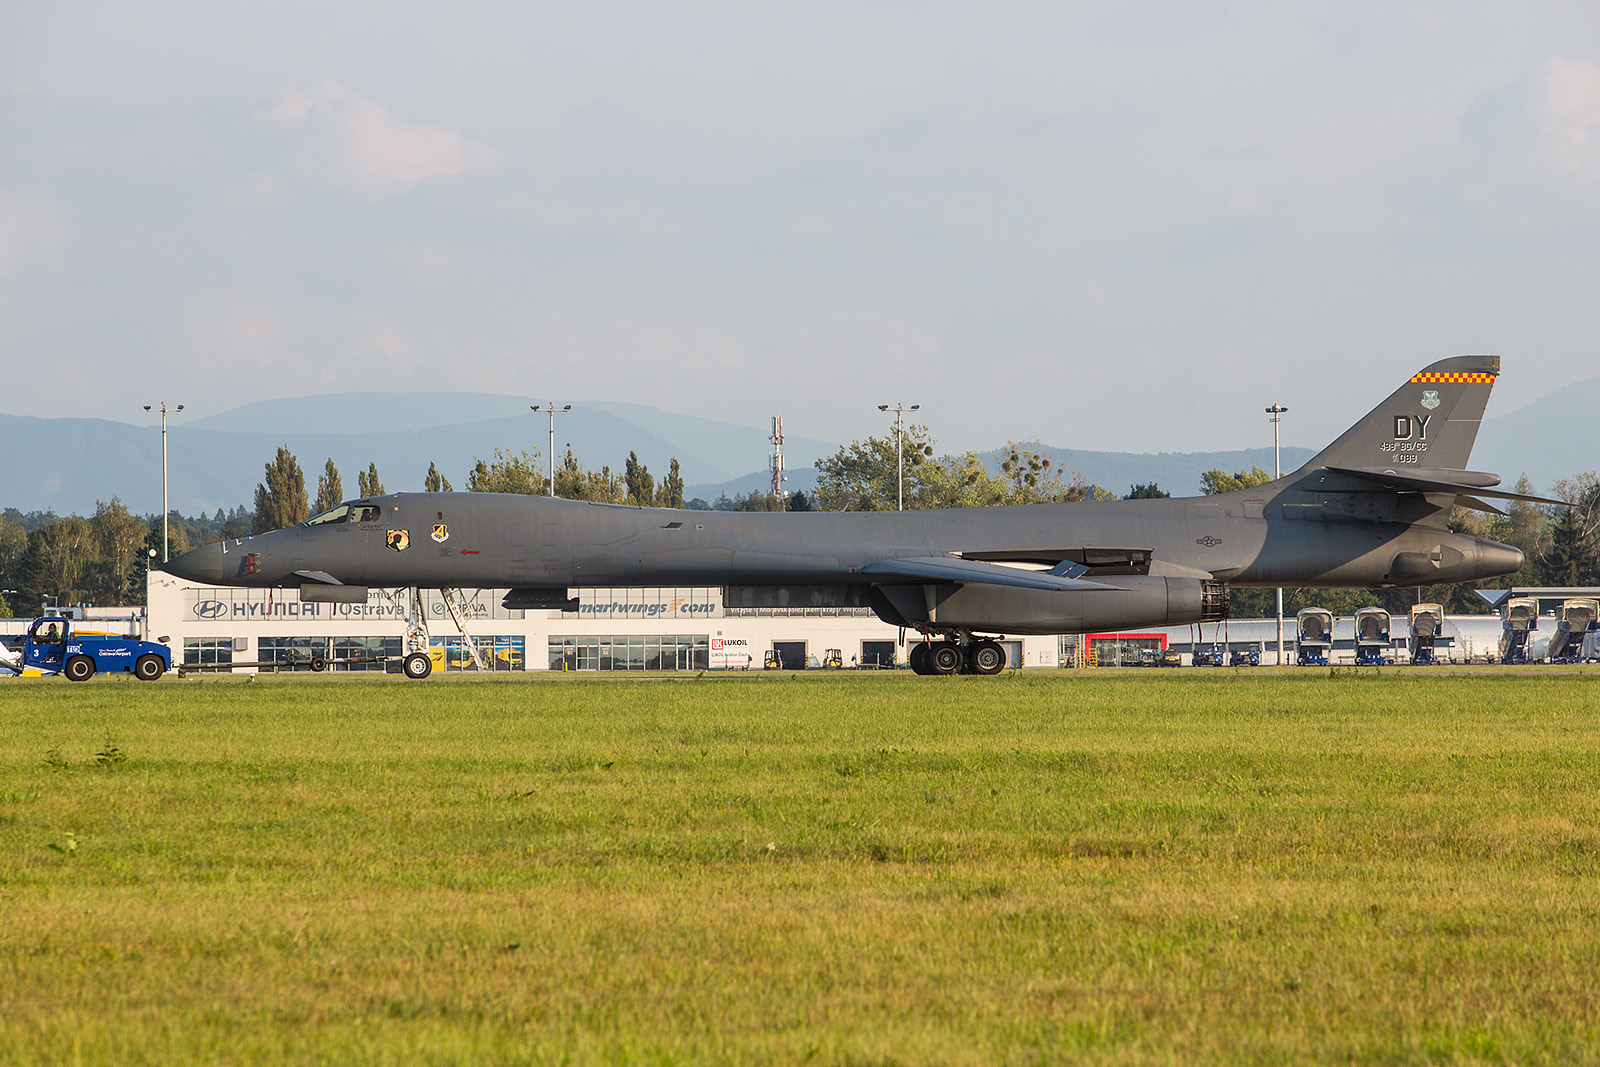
1136 601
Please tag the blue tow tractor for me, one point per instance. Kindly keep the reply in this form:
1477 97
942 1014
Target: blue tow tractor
53 647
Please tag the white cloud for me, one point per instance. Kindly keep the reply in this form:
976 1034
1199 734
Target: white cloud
259 191
1569 112
32 227
233 337
350 141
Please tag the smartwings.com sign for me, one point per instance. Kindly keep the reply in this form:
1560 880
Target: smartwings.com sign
647 604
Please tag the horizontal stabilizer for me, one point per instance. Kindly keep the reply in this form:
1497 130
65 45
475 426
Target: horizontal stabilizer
1437 482
955 569
1472 503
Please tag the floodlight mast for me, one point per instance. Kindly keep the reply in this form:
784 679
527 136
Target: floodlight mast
1276 411
550 459
164 509
899 460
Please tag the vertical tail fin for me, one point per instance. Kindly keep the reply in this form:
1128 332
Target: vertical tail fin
1430 421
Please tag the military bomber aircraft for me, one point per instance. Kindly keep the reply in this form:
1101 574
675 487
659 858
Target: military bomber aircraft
1369 510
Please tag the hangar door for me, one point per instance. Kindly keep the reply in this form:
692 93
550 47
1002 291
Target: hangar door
791 655
877 654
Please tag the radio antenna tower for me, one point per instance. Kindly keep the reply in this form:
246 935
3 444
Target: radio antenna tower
776 437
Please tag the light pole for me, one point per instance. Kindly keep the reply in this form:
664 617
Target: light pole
164 509
550 460
1276 411
899 459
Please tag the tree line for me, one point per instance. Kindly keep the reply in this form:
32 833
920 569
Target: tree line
102 559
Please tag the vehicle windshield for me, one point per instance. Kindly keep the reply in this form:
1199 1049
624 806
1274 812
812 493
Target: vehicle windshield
49 632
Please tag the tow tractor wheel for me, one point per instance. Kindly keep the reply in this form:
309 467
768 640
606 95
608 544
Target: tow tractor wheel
148 667
919 657
318 663
944 658
986 657
79 669
418 665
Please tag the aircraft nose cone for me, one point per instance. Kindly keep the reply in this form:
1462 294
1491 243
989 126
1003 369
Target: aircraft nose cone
1496 559
202 565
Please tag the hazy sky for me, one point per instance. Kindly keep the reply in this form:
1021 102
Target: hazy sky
1122 226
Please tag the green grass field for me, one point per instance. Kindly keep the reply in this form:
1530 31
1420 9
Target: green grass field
1099 867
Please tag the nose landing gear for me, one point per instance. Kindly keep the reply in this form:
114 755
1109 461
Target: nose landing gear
418 662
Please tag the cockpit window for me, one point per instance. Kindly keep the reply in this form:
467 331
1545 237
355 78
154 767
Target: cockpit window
346 513
333 515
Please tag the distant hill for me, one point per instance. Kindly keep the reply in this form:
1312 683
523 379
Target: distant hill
1547 440
67 465
216 461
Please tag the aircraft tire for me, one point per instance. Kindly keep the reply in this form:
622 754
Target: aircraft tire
418 665
148 667
919 658
986 657
79 669
944 658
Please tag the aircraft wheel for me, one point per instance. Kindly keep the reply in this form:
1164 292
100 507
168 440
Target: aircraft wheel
986 657
148 667
919 658
944 658
418 665
79 668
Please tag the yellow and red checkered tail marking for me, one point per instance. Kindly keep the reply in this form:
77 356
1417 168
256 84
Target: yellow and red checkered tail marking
1482 379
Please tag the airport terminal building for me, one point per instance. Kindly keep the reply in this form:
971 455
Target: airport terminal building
652 629
611 630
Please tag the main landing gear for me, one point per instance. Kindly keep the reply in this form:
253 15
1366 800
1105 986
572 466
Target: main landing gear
418 662
959 653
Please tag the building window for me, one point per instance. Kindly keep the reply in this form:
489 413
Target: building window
1123 650
364 653
630 652
207 651
288 653
503 653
